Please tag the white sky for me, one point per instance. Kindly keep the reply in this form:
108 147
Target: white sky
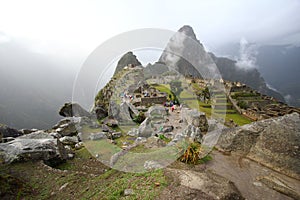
70 27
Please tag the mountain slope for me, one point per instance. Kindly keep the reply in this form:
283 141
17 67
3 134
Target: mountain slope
196 62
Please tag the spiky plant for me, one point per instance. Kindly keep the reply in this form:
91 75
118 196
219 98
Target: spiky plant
191 154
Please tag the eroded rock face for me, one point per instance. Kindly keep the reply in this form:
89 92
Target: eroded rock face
273 142
195 118
33 146
73 110
212 185
124 112
100 112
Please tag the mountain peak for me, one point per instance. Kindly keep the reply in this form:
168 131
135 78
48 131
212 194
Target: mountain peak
188 30
126 59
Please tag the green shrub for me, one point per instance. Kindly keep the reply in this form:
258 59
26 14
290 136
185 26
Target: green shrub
139 118
242 104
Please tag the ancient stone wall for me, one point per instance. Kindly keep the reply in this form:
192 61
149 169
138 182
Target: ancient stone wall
151 100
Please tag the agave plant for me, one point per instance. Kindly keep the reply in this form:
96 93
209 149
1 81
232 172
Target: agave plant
191 154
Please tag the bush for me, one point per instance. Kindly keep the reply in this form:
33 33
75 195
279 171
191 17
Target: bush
139 118
242 104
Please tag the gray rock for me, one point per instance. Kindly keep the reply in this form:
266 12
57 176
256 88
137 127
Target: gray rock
140 140
111 122
152 165
67 130
156 113
69 140
145 129
80 136
124 112
27 131
195 118
133 132
154 142
55 135
97 136
116 135
34 146
73 110
207 182
128 192
193 133
106 128
6 131
167 129
79 145
273 142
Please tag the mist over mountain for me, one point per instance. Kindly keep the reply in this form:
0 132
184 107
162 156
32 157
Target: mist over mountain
278 65
33 86
195 61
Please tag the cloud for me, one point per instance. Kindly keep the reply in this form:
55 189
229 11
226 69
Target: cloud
247 57
4 38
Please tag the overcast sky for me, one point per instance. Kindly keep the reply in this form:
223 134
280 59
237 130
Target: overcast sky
76 28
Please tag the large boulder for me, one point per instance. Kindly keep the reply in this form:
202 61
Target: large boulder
7 132
146 128
273 142
34 146
157 112
70 126
195 118
73 110
67 127
193 133
69 140
124 112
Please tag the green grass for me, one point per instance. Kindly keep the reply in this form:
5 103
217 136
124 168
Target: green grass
38 182
205 159
196 87
162 87
238 119
143 185
186 94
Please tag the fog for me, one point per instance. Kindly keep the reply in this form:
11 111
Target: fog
43 44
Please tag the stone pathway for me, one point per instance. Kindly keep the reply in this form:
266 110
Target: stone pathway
252 178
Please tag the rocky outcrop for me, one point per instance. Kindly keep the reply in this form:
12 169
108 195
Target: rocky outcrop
100 112
124 112
273 142
67 127
70 126
7 132
127 59
73 110
208 184
34 146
